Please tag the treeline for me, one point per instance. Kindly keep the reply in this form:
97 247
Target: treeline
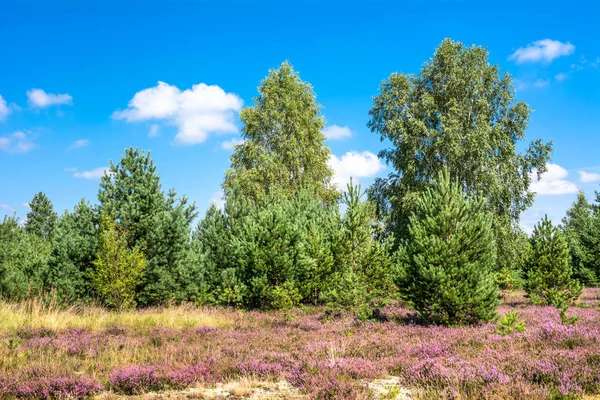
441 231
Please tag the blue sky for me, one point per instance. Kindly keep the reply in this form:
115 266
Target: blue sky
79 83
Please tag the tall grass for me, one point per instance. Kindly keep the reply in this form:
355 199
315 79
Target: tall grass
35 314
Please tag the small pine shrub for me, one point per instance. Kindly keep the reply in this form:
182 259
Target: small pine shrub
549 273
565 319
449 257
285 297
510 323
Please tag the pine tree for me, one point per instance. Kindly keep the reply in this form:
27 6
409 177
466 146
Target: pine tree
548 270
575 226
73 252
268 253
41 218
154 221
23 261
283 144
449 257
590 244
118 269
364 264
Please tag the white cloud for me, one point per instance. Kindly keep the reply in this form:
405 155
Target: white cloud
354 164
79 144
197 112
540 83
4 109
587 177
154 130
40 99
552 182
95 173
230 144
70 169
335 132
18 142
6 207
26 205
218 199
544 50
561 77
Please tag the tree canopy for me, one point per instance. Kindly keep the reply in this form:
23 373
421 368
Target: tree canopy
283 143
458 113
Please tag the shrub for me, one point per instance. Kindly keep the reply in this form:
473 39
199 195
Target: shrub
23 261
118 269
549 273
510 323
449 257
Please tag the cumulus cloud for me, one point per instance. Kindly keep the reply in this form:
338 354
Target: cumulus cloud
544 51
78 144
154 130
197 112
218 199
230 144
561 77
335 132
354 165
4 109
552 182
95 173
18 142
587 177
40 99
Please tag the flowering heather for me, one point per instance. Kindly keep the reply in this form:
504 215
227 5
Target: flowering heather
134 379
325 359
50 388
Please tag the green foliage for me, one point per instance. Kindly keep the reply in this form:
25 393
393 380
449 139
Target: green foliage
364 277
284 145
41 218
23 261
285 296
549 273
276 251
510 323
449 255
564 318
73 252
154 221
513 244
590 246
576 225
348 292
118 269
459 113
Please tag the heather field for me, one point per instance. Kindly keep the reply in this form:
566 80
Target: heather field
218 353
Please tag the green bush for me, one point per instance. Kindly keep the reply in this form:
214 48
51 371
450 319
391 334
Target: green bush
73 252
549 273
23 262
118 269
449 257
510 323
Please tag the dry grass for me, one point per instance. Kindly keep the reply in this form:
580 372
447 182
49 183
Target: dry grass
245 388
34 314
